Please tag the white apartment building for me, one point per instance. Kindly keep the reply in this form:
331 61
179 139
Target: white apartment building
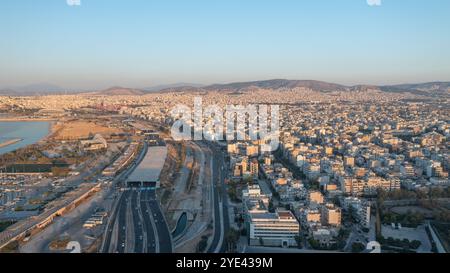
277 229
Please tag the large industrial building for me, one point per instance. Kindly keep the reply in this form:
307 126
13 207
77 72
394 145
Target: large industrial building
147 174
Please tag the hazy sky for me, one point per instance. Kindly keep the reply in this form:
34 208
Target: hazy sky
140 43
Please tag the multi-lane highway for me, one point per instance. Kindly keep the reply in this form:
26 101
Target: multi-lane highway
149 224
137 224
122 223
139 233
219 170
221 219
164 237
119 180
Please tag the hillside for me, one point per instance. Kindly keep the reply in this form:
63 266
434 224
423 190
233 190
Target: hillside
121 91
278 84
432 89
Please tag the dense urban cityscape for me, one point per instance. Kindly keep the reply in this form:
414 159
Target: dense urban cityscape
352 167
226 135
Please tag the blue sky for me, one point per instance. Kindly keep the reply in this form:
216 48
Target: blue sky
141 43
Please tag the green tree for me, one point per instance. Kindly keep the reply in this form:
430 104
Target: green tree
298 239
271 207
358 247
201 247
261 241
231 239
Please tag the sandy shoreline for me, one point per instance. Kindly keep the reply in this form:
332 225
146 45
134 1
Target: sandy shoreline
51 130
9 142
20 119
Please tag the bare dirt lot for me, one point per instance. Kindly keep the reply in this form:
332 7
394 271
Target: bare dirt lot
74 130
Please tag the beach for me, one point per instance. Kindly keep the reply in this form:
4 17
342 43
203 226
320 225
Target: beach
9 142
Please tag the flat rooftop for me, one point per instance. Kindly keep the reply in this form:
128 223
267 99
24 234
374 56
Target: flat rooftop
267 216
264 215
151 166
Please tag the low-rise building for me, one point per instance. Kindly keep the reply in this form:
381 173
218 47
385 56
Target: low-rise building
331 215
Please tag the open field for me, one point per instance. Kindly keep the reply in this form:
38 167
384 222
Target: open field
74 130
412 209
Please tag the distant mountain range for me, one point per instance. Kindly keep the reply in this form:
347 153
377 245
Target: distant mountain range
33 89
46 89
8 92
427 89
170 86
278 84
121 91
421 88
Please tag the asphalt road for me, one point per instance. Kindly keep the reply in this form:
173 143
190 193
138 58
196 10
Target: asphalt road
164 236
110 228
221 225
117 180
219 170
139 232
148 224
122 221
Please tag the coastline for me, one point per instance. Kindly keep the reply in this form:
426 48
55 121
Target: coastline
51 121
23 119
10 142
51 130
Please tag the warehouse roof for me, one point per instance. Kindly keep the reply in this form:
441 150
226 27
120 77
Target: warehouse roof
151 166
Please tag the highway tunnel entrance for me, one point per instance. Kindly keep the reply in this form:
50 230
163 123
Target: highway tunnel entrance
141 185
